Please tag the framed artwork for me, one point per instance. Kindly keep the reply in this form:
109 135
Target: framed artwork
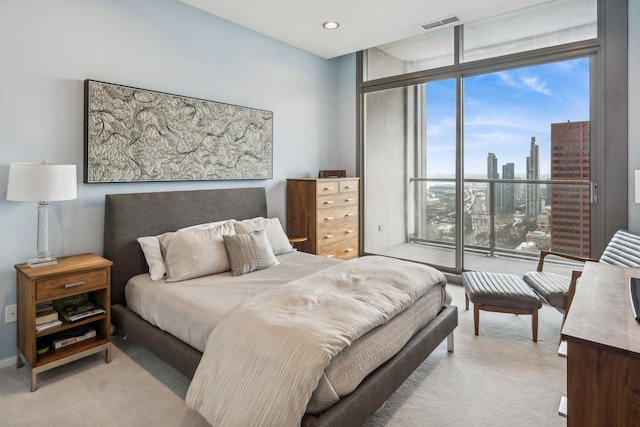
134 135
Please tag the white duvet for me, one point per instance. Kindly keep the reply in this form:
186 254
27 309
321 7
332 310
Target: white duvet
265 357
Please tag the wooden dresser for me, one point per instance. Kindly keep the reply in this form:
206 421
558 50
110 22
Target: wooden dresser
603 349
325 211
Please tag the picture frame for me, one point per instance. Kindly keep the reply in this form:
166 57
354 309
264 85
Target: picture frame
134 135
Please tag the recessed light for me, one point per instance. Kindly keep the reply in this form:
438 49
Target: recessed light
331 25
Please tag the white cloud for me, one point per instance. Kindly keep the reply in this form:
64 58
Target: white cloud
507 79
535 84
524 82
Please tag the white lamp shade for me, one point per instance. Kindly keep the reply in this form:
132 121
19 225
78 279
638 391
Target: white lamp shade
41 182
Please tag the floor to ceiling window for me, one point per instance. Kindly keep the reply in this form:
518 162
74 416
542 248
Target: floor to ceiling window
481 150
526 161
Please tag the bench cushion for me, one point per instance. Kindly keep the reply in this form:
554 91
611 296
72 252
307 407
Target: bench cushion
550 286
500 290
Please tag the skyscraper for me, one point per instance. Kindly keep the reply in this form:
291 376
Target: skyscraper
492 173
507 190
492 166
533 173
570 204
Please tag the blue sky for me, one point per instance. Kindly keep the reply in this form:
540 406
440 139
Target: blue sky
502 112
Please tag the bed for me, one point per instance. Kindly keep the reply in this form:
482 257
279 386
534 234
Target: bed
129 216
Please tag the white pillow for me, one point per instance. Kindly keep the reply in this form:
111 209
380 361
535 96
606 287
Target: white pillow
152 253
198 253
205 225
275 233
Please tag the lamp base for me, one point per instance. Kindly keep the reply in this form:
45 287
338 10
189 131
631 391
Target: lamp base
41 262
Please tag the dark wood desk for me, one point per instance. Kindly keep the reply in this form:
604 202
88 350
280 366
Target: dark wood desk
603 350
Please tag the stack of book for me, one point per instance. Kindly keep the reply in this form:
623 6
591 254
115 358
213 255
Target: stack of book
76 307
81 311
46 317
72 336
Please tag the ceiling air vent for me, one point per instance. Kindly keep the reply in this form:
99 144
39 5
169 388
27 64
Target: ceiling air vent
439 23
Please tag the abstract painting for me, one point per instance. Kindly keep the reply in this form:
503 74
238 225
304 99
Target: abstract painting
134 135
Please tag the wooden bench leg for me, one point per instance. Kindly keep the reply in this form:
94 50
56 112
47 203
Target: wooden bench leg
534 324
476 317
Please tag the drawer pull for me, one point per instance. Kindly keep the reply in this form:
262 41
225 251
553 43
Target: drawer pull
328 188
74 284
349 250
329 256
348 200
328 236
349 214
348 231
328 202
328 218
348 187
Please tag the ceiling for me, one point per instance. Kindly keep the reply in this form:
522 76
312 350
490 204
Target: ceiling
363 23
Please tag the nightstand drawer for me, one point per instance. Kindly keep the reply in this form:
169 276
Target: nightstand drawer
71 284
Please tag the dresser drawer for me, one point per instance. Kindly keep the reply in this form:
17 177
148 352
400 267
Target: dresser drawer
70 285
348 186
335 200
327 187
332 216
346 249
330 235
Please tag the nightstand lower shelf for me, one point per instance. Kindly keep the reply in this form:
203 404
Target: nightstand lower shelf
60 360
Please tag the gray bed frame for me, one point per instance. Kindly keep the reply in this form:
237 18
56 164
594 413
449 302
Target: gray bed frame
129 216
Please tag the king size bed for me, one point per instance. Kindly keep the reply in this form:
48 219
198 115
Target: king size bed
211 338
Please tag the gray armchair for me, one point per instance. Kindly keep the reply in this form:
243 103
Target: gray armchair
558 290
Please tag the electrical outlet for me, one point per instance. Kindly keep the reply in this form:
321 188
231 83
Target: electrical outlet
10 313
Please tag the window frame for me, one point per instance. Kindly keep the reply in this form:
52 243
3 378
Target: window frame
608 116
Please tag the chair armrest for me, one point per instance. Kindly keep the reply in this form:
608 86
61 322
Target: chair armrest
544 254
575 275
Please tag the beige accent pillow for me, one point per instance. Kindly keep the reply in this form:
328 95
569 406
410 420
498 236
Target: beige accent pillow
275 233
249 252
197 253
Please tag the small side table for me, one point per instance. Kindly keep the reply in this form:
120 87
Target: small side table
296 240
71 276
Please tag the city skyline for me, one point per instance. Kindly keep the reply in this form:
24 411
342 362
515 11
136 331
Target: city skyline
502 112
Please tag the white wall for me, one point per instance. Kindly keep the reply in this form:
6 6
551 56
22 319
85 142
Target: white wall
48 48
347 144
634 110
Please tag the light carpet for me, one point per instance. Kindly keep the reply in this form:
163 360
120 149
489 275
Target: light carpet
499 378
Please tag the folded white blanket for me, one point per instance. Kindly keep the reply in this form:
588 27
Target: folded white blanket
265 357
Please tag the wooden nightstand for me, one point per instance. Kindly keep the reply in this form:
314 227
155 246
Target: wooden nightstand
72 275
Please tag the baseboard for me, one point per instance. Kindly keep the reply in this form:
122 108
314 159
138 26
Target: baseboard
9 361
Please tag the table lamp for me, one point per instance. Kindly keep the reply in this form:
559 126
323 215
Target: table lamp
42 183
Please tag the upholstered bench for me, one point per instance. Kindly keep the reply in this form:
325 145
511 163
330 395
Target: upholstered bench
503 293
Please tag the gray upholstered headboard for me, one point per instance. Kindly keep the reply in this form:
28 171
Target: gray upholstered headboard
129 216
